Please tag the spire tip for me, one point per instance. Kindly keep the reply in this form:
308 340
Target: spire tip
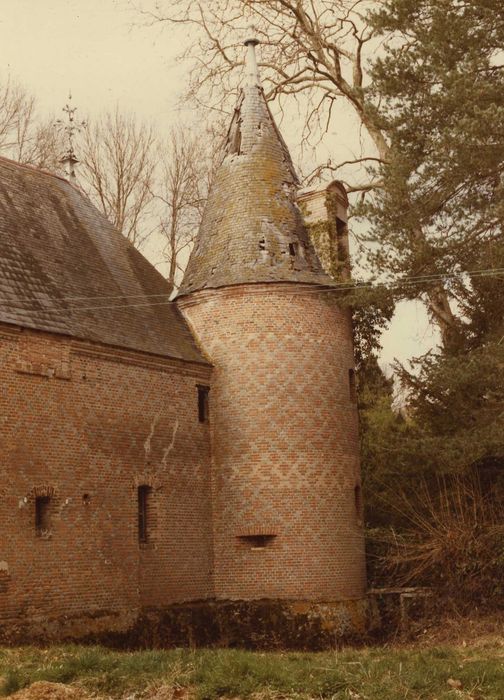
251 62
252 39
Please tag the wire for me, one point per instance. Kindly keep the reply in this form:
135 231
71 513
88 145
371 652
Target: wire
345 285
291 289
89 308
117 296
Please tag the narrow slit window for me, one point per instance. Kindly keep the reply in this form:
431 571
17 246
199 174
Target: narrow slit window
203 403
341 238
144 498
358 504
351 385
42 515
293 249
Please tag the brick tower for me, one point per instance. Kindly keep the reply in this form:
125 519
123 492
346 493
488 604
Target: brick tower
283 416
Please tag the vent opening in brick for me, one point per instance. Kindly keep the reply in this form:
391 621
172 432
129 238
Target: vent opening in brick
351 385
42 515
144 507
257 541
203 403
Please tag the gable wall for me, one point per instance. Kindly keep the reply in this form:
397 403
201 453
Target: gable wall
86 425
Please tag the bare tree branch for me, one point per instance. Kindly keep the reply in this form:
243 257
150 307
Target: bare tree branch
23 135
313 53
181 190
117 170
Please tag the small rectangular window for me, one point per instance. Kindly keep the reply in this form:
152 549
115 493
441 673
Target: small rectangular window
257 541
144 493
342 240
42 515
203 403
352 387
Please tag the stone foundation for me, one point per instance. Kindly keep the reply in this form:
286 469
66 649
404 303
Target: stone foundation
260 624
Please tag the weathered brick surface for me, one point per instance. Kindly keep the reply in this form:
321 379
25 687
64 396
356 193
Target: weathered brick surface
325 211
261 502
285 442
86 424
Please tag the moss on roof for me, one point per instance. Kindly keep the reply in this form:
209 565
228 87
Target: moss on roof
65 269
252 228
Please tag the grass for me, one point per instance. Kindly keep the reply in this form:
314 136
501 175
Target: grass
378 673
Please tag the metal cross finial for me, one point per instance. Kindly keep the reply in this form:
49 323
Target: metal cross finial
251 62
71 128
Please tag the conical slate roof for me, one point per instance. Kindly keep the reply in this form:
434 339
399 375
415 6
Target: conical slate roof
252 229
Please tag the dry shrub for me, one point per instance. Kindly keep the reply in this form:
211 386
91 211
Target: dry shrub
453 541
43 690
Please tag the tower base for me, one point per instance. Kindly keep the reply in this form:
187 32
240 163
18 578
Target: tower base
257 624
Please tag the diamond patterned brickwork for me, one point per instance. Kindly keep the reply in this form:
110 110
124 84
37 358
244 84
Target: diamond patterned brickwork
113 421
285 442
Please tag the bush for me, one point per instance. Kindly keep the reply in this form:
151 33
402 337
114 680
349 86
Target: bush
453 542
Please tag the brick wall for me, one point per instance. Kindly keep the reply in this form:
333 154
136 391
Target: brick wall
325 213
86 425
285 442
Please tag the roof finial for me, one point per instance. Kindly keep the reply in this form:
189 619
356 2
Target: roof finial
251 61
69 160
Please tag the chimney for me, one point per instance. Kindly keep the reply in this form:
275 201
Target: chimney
325 212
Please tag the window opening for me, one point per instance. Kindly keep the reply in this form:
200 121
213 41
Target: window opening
341 240
293 248
340 227
144 497
351 383
257 541
42 515
203 403
358 503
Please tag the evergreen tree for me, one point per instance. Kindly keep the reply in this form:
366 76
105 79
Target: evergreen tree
442 84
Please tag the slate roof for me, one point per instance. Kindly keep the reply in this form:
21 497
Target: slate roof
252 229
58 254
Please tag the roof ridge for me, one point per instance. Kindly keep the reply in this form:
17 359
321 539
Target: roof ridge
42 171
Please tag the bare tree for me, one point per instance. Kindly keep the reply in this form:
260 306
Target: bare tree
313 53
180 194
117 169
23 135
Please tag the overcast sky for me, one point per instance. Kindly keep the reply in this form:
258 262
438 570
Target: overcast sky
95 48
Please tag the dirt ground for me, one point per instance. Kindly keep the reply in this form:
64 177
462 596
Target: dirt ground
42 690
